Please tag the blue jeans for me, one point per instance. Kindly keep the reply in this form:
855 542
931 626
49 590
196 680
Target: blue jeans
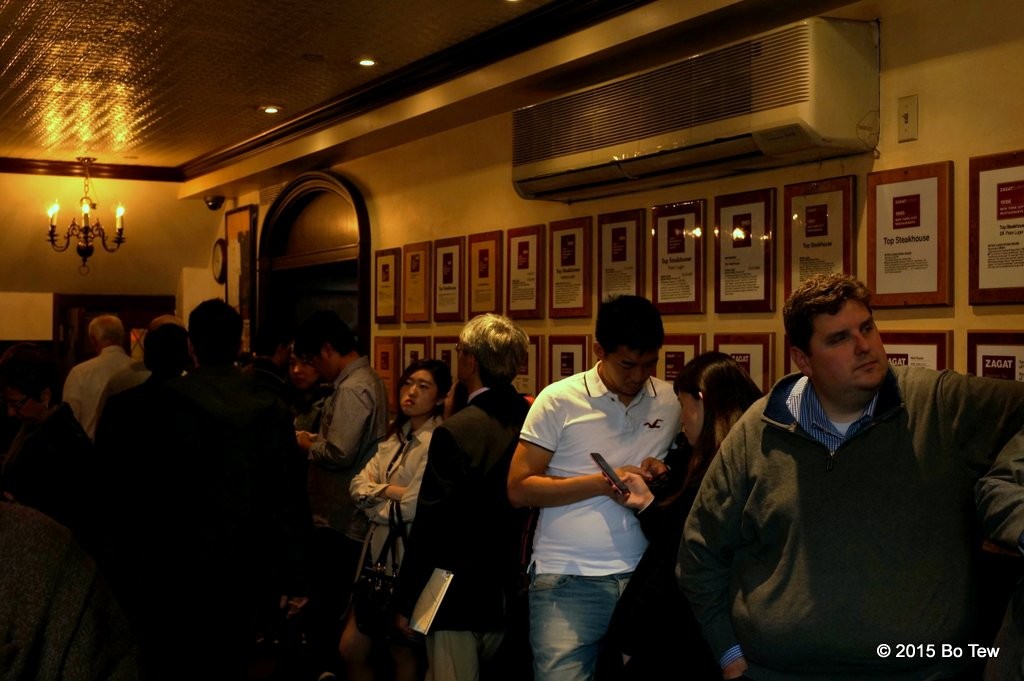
569 616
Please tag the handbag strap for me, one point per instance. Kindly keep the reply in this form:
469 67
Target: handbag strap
396 531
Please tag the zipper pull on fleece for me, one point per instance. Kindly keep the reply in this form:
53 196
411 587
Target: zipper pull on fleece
831 460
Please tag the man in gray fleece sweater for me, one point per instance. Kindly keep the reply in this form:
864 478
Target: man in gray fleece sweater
832 536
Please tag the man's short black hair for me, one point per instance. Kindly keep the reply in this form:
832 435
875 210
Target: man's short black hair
215 329
324 326
165 351
30 369
630 321
269 337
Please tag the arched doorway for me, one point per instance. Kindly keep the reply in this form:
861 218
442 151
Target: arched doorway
314 253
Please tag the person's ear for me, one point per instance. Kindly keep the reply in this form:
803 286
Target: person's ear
801 359
45 395
598 351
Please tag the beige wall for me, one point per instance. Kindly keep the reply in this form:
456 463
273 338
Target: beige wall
164 234
958 58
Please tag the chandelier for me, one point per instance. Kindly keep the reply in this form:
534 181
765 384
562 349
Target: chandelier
87 232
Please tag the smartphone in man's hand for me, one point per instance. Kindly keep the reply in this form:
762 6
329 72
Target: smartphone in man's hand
610 473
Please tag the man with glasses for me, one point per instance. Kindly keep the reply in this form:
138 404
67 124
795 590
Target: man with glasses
464 522
586 544
47 462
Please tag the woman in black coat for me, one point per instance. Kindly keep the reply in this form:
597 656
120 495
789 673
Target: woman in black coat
653 629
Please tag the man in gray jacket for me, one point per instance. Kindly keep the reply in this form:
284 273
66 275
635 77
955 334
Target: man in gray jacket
832 536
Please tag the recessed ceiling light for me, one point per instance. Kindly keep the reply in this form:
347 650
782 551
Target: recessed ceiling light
366 61
270 108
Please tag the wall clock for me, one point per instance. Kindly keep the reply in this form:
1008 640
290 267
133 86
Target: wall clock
219 261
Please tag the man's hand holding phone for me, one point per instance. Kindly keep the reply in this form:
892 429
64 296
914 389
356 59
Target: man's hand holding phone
630 488
609 473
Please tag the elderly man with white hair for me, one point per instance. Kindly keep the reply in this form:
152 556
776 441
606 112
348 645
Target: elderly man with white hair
86 381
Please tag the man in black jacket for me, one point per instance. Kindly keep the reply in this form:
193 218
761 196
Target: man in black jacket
464 522
227 513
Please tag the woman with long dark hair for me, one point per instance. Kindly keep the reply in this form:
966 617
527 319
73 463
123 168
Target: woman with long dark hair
652 628
387 490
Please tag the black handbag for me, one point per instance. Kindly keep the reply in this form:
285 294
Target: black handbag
373 595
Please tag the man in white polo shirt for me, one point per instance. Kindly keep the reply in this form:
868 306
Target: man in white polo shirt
586 544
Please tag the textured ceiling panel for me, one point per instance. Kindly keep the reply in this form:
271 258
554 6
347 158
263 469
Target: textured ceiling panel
162 82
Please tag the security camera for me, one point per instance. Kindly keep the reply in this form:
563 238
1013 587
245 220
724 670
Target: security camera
213 202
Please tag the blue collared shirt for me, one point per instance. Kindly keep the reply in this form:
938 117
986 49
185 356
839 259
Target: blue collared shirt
804 404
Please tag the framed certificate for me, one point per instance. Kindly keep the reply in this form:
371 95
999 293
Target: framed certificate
414 348
996 219
678 257
525 269
417 280
620 254
240 284
567 355
677 350
385 363
387 267
996 354
744 255
929 349
528 380
448 279
909 254
755 352
818 230
485 278
569 263
444 350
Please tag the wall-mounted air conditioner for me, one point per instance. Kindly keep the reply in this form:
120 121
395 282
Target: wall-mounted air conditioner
801 93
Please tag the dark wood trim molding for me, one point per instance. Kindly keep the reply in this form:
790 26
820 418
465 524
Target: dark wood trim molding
24 166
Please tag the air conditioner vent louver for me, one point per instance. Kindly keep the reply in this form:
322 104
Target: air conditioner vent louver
752 76
804 92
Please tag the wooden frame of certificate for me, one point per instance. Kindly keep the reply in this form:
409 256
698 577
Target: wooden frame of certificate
444 350
677 258
744 251
524 292
996 222
385 363
909 227
449 279
485 273
416 278
818 230
387 267
414 348
620 253
567 355
929 349
755 352
240 285
527 381
676 351
996 354
569 263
